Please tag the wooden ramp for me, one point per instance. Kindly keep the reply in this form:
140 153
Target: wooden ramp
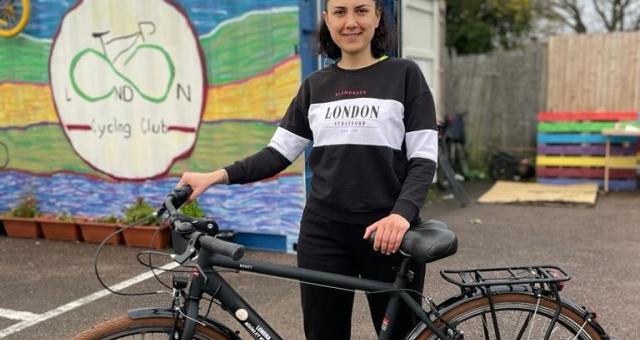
518 192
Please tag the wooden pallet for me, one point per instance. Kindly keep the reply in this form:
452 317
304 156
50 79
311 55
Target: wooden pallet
593 173
615 162
571 149
581 138
614 184
588 116
626 149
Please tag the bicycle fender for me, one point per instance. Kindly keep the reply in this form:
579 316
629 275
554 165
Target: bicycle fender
142 313
454 301
584 311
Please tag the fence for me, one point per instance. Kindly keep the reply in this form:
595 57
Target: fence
504 91
594 72
502 94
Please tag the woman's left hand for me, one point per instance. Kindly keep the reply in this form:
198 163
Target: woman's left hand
389 233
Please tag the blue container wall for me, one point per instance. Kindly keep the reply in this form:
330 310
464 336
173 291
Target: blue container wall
85 148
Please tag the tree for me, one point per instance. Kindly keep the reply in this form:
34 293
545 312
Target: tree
477 26
613 15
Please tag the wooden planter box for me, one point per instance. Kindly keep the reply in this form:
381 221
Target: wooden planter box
96 232
57 230
141 236
21 227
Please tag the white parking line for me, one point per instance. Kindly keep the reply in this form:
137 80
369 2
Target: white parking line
37 318
16 314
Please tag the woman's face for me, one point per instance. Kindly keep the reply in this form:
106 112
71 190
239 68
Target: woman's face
352 24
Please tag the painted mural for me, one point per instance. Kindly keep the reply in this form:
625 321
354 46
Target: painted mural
103 101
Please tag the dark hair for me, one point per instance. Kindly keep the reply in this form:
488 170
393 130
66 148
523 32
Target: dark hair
382 41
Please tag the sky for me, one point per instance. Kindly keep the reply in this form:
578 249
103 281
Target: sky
593 21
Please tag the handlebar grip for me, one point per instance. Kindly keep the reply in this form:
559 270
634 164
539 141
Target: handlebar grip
175 199
218 246
181 195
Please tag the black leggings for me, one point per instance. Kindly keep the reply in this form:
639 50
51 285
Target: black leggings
337 247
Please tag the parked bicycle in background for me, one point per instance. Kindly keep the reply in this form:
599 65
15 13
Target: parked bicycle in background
453 168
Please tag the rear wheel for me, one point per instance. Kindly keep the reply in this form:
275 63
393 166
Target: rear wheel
518 316
148 328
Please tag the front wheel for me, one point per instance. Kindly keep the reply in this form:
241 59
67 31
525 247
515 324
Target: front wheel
147 328
518 316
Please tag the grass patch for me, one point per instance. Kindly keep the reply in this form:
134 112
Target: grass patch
45 149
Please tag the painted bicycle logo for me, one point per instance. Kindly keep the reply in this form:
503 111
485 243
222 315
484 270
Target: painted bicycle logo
128 84
119 52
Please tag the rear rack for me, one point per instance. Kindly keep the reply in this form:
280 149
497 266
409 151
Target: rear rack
487 277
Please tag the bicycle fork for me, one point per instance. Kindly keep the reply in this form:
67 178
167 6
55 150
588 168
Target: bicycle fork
230 301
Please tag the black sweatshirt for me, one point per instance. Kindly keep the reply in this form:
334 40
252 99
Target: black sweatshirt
375 142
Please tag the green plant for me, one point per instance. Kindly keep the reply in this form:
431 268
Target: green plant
192 209
108 219
140 210
64 216
26 208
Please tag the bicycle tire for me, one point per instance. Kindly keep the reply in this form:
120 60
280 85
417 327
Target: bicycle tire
501 168
446 178
460 160
13 30
471 316
124 327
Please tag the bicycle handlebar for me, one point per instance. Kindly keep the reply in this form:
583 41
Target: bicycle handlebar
218 246
201 231
195 229
175 200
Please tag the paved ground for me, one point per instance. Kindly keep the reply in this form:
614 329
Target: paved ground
599 246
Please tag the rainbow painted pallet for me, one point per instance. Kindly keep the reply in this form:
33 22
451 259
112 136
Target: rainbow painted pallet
571 149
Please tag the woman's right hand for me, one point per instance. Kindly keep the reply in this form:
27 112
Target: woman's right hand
200 181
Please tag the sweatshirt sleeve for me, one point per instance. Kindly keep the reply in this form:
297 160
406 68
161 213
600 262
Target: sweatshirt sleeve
421 141
287 143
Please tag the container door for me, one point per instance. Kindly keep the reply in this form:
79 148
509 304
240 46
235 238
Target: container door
420 31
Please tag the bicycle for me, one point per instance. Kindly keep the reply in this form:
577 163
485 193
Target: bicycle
446 176
509 166
493 303
14 16
130 41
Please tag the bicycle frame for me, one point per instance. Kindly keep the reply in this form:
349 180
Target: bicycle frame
216 286
139 34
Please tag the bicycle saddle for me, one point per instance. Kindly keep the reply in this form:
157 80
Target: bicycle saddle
429 241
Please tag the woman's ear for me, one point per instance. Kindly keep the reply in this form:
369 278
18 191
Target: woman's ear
378 15
324 16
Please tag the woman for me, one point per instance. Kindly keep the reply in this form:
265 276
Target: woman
373 127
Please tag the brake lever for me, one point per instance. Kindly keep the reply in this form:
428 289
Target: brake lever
190 250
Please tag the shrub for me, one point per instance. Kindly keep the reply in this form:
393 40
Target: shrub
108 219
192 209
26 208
139 210
65 216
